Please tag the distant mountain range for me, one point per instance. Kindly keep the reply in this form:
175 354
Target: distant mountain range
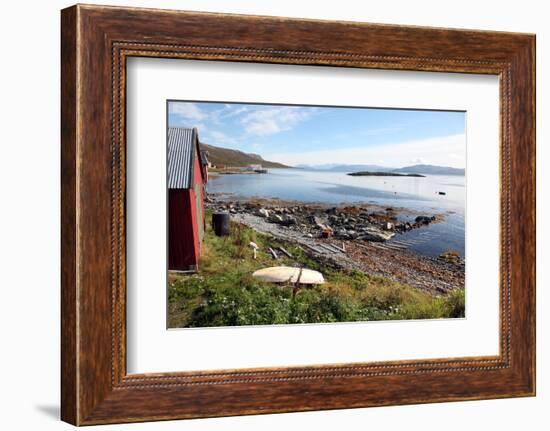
236 158
415 169
431 170
345 168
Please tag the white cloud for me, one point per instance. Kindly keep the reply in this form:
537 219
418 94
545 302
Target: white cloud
233 111
254 121
227 111
268 121
216 137
443 151
382 131
187 110
420 161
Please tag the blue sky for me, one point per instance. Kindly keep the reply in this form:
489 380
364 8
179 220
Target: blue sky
325 135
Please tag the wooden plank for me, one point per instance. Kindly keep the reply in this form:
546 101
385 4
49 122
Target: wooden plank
284 251
273 253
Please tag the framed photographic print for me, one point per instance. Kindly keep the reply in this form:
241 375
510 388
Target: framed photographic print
259 216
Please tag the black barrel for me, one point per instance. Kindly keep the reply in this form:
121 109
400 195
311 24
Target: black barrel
220 224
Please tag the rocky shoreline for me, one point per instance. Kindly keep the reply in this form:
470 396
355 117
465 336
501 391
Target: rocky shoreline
351 237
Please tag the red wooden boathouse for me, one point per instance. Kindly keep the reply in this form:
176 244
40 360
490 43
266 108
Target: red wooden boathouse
187 177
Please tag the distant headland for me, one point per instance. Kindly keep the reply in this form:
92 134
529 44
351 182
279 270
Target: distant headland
382 174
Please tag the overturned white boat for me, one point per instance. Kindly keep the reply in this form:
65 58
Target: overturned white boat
288 274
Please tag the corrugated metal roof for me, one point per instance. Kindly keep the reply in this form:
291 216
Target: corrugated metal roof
181 151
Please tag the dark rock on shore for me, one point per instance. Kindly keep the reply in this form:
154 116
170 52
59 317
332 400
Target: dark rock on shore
317 221
424 219
376 235
355 238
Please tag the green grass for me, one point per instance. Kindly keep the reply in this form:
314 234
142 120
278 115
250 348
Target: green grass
224 293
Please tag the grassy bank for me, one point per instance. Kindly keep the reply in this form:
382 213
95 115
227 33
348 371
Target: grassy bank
224 293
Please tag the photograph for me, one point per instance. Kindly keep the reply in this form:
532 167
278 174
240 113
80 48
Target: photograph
298 214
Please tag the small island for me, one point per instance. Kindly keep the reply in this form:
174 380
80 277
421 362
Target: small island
382 174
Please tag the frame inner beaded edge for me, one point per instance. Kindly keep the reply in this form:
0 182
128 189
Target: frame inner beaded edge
119 379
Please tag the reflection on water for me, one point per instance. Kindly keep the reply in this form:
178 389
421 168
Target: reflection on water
418 194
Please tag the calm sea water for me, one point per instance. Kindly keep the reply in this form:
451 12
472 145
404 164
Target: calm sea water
418 194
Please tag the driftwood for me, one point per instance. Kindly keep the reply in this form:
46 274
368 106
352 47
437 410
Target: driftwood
336 248
393 247
282 249
330 248
273 253
361 246
314 248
